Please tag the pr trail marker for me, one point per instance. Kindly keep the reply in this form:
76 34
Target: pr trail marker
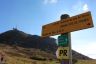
62 53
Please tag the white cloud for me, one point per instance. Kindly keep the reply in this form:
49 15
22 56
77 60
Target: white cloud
85 7
50 1
80 7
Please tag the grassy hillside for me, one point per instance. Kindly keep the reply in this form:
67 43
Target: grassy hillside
18 55
21 48
19 60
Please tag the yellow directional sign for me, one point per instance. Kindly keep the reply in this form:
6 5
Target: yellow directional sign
63 53
78 22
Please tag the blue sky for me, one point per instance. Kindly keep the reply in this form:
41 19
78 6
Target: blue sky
30 15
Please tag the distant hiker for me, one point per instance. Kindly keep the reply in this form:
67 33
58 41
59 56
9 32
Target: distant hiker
1 57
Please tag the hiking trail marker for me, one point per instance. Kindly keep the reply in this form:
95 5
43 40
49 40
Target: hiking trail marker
62 53
64 27
63 40
78 22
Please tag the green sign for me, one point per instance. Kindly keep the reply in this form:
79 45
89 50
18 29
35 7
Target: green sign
63 40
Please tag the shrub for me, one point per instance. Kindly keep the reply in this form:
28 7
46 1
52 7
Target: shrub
74 61
37 58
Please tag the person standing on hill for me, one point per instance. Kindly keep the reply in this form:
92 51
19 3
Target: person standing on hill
1 57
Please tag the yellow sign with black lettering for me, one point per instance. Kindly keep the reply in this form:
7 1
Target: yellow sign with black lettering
78 22
63 53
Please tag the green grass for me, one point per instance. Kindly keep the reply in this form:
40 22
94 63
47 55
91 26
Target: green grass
86 62
19 60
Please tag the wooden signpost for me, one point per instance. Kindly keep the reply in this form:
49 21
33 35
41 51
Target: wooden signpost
64 27
64 40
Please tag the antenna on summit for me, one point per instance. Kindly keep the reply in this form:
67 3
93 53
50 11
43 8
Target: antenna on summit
15 28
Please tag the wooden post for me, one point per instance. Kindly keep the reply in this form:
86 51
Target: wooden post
67 61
